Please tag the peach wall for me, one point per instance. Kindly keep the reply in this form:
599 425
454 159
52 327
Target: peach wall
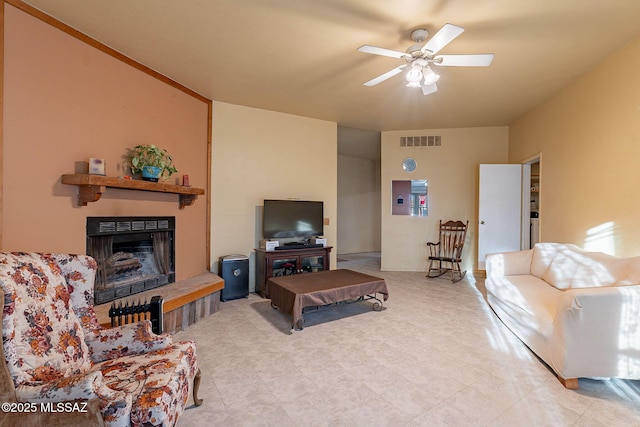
65 101
589 137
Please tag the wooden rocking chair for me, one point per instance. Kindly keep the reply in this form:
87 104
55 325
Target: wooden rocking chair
448 250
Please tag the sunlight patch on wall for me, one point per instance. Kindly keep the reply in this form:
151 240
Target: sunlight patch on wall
601 238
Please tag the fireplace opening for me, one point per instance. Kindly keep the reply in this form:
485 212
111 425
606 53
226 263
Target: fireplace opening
134 254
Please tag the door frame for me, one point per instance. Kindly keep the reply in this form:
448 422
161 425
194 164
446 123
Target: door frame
526 191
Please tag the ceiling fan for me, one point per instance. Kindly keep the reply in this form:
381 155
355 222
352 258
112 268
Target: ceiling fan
421 55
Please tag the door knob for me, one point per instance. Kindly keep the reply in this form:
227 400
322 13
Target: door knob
481 222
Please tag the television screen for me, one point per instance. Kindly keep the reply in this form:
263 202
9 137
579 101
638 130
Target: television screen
292 218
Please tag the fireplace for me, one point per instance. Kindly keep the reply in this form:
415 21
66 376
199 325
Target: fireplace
134 254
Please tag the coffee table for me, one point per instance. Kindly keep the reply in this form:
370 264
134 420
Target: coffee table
291 294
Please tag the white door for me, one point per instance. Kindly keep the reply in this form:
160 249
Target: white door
500 210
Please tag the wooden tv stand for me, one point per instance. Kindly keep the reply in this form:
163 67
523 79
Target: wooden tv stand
289 261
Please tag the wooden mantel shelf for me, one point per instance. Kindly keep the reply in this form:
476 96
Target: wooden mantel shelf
91 187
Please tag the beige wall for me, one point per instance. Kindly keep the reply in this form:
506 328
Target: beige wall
452 174
358 205
259 154
589 137
65 101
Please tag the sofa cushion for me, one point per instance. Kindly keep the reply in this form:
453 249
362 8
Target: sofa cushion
43 339
566 266
629 273
543 255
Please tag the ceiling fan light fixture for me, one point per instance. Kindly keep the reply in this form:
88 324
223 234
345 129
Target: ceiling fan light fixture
414 75
429 76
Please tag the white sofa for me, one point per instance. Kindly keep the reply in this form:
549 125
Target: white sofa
578 311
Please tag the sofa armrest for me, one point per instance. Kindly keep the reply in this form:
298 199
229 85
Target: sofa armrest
134 338
596 332
508 263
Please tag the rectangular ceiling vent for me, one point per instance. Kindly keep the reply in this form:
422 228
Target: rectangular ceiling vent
421 141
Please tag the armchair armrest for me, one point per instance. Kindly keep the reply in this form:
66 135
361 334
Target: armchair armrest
434 248
135 338
89 415
115 405
88 385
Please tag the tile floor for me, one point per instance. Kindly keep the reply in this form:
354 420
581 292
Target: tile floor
435 356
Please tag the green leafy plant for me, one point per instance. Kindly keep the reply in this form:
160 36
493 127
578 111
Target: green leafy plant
144 155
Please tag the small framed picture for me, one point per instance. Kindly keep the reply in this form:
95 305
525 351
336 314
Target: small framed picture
96 166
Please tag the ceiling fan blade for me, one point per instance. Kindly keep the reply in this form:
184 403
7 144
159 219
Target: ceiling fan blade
385 76
477 60
429 89
442 38
381 51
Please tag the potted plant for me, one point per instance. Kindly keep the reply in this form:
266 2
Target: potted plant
151 162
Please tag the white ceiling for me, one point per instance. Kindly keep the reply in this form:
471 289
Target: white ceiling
299 56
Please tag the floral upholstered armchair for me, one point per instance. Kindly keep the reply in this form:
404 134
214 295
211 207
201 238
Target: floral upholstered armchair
56 351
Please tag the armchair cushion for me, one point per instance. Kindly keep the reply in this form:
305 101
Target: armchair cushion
43 338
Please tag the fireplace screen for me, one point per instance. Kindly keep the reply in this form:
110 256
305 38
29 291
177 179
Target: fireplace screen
134 254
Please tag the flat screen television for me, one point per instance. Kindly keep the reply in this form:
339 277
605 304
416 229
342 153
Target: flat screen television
292 219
